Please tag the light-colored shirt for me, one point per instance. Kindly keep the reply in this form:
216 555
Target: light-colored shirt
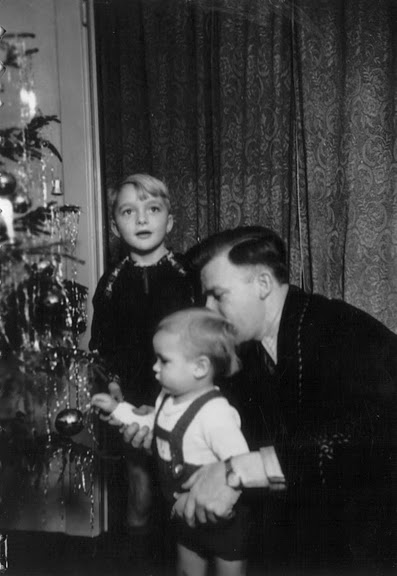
214 433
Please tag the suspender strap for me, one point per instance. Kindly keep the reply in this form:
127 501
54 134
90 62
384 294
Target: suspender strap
166 396
175 436
186 418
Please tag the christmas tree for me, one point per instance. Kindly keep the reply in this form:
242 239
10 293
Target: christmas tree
45 378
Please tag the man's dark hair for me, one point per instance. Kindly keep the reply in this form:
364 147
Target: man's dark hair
246 245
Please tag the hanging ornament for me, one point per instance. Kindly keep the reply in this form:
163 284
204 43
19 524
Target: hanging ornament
50 306
52 297
45 268
7 184
57 188
21 202
7 218
69 422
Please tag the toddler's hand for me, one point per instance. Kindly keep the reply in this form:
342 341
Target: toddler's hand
104 402
143 410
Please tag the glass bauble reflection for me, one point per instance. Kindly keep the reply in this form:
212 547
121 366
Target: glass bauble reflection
7 184
21 202
69 422
52 298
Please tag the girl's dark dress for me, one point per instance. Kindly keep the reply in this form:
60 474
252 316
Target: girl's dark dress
128 304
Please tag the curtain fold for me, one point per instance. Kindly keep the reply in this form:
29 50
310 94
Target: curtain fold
201 98
348 132
264 112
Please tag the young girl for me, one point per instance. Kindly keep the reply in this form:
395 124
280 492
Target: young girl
150 282
194 425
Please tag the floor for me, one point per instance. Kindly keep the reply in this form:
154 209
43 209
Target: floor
46 554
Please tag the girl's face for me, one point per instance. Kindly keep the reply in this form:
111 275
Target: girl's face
141 221
174 371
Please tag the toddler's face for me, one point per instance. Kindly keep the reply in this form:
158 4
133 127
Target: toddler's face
142 223
173 370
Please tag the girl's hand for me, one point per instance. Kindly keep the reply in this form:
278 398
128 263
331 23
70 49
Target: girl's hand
104 402
115 391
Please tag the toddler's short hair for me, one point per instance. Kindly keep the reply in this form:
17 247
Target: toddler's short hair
204 332
145 185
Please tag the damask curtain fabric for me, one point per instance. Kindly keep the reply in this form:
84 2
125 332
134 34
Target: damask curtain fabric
347 62
264 112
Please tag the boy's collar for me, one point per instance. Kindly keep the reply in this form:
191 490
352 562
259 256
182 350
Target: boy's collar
167 256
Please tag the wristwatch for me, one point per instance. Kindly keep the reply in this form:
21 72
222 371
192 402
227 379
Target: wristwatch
233 480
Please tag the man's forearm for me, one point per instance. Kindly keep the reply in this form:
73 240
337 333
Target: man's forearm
259 469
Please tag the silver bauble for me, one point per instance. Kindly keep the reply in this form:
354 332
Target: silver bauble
7 184
52 297
69 422
45 267
21 202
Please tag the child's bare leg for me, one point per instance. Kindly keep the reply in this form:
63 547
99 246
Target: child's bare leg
230 567
189 563
139 494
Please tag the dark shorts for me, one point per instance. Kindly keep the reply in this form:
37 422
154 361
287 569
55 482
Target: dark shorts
228 539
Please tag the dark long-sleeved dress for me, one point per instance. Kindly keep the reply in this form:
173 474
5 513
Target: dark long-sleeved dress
128 303
329 408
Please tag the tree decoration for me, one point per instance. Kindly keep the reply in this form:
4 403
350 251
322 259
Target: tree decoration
21 202
69 422
7 184
27 142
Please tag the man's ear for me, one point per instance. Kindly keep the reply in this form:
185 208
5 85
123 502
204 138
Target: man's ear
114 228
265 281
170 223
202 366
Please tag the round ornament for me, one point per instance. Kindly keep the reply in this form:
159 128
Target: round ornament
45 268
21 202
69 422
7 184
52 298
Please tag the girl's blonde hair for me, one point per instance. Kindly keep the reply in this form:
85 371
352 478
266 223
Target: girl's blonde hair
145 186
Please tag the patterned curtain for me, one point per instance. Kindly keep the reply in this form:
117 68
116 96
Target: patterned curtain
264 112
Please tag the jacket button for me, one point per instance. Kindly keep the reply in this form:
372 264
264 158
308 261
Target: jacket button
177 470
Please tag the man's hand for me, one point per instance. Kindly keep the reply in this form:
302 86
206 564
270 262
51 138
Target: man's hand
139 437
209 499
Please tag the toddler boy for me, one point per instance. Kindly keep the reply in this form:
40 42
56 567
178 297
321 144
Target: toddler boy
194 425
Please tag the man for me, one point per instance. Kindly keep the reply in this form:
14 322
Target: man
317 397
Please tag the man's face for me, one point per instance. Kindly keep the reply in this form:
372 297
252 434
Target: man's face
233 292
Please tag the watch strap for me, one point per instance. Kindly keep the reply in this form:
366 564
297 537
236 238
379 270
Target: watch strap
272 468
